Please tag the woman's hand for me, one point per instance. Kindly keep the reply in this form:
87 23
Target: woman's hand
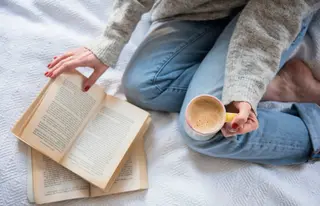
246 120
80 57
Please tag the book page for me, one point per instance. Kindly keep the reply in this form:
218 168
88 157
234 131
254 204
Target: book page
52 182
127 155
30 193
22 122
103 144
62 115
133 175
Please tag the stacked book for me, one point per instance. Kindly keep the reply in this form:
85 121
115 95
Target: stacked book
82 144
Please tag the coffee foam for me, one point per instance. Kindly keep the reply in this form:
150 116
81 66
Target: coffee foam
205 114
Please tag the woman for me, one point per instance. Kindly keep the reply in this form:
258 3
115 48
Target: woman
208 47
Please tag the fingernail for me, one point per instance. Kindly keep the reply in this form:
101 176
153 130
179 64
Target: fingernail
54 57
235 126
49 65
86 88
46 74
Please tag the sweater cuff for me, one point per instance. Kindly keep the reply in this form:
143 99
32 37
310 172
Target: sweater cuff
243 89
106 50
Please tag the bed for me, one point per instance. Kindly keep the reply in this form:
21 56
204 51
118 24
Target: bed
33 31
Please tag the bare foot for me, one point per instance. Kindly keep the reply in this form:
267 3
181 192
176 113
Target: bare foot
294 83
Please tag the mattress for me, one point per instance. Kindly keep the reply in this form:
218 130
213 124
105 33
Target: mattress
33 31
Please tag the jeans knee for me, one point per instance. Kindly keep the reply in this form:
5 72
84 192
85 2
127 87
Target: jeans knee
196 145
139 91
144 91
209 148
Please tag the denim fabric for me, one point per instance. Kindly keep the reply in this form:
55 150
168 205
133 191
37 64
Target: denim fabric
179 60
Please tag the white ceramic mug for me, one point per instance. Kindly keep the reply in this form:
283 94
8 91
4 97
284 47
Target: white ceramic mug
205 116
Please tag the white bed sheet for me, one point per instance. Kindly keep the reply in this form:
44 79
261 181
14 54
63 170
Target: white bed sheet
33 31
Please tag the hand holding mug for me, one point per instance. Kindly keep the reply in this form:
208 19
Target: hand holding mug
205 115
244 122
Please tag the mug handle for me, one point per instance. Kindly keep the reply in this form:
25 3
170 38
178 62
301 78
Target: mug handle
230 116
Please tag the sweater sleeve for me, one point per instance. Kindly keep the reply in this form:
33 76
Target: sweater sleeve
121 23
264 30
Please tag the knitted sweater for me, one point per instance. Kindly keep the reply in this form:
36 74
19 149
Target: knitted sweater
264 30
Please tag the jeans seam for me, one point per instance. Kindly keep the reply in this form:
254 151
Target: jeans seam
314 139
277 144
178 88
178 49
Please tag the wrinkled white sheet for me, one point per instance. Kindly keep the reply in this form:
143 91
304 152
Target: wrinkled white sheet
33 31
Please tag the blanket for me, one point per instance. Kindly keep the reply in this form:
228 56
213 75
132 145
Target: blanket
33 31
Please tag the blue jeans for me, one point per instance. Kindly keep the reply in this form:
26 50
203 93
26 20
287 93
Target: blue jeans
179 60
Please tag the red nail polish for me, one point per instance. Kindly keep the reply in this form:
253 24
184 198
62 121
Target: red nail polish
86 88
54 57
46 74
49 65
235 126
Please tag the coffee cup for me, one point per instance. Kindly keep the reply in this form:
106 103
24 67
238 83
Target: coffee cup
205 115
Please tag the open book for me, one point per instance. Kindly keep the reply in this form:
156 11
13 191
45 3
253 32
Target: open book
88 133
50 182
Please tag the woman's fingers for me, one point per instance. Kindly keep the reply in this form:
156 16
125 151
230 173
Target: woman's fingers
72 52
251 125
67 66
228 133
246 129
58 59
70 63
80 57
244 111
58 65
93 78
246 121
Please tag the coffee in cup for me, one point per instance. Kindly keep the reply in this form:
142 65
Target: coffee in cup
205 115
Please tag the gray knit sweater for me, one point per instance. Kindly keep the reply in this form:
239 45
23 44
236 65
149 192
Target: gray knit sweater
264 30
